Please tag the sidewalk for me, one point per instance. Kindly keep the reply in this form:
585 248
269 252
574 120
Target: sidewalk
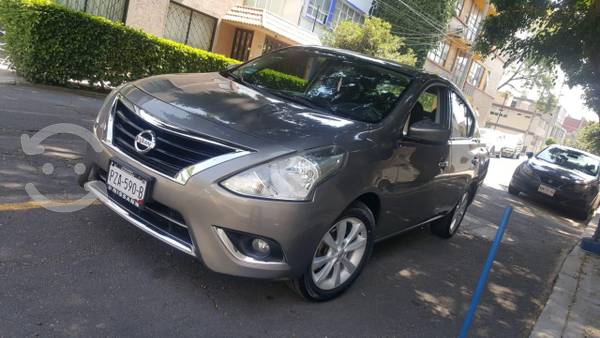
10 77
573 309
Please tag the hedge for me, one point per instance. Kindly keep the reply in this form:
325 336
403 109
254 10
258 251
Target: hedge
49 43
281 81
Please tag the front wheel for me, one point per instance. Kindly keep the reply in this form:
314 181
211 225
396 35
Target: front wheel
340 255
447 226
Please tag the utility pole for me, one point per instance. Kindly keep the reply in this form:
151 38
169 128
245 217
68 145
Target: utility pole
501 110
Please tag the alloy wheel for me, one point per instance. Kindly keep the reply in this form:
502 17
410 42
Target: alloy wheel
339 253
461 208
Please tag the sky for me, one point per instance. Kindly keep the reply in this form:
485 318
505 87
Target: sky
573 103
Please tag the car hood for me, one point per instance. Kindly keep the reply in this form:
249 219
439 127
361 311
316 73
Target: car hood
226 103
558 172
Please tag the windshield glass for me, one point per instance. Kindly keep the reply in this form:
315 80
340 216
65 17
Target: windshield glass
338 84
571 159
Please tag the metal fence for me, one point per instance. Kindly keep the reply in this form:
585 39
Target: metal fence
190 27
115 10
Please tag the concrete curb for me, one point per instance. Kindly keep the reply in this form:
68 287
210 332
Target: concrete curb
557 319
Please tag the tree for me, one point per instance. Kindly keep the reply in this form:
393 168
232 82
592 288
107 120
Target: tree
527 74
588 138
560 33
423 23
550 141
372 38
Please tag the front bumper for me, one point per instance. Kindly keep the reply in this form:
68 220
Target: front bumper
206 207
562 198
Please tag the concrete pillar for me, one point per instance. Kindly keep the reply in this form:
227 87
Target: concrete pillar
148 15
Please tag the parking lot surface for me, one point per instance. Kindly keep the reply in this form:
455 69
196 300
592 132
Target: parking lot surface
90 273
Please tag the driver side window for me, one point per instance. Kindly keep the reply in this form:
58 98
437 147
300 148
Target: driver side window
427 107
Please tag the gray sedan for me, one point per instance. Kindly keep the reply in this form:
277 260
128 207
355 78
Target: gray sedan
290 166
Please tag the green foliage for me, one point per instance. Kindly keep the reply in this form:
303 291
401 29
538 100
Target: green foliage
49 43
550 141
280 81
373 38
588 138
419 35
563 33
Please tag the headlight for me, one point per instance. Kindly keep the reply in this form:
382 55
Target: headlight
290 178
526 169
580 187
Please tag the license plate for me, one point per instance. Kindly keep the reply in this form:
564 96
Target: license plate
546 190
126 184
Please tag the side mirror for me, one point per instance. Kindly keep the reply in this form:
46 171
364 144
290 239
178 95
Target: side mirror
529 154
428 131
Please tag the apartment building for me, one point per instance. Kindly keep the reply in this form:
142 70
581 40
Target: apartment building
240 29
455 59
519 116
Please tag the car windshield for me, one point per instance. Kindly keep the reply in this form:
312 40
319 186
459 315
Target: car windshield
338 84
571 159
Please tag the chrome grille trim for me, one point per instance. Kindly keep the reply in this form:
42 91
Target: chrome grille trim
183 175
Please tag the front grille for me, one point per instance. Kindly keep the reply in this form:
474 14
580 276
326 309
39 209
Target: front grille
553 182
159 217
172 153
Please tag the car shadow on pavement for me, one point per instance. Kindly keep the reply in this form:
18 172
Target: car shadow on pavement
91 272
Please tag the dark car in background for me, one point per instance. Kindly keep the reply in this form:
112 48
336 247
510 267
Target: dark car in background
563 176
290 166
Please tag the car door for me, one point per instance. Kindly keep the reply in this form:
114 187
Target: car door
467 153
415 173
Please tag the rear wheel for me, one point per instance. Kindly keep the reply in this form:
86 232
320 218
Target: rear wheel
447 226
340 255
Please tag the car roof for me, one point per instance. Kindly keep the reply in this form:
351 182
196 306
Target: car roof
410 70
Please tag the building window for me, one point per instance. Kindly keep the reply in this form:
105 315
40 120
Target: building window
473 22
273 6
114 10
318 10
439 54
190 27
513 104
459 7
460 65
346 12
475 74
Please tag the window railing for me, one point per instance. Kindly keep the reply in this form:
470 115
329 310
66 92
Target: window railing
115 10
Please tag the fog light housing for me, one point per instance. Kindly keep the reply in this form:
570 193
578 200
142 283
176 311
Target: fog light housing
252 246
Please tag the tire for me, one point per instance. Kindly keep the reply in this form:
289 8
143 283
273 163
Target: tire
309 286
512 190
583 215
447 226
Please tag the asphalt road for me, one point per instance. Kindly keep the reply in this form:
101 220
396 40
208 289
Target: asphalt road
89 273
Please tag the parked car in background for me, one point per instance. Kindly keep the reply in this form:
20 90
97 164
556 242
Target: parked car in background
290 166
511 146
563 176
492 139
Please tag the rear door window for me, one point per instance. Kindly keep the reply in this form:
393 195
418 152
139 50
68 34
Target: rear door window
463 121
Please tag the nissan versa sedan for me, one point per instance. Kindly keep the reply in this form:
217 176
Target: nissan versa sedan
561 176
290 166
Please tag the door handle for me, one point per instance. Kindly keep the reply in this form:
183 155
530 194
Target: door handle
443 164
